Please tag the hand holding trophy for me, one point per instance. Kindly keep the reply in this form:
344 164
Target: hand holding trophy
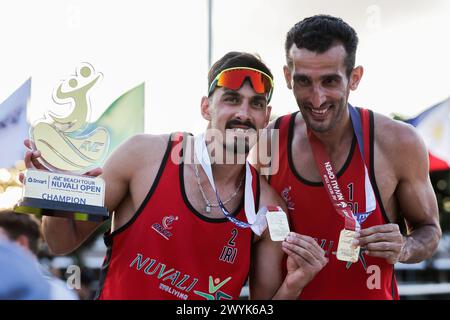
68 148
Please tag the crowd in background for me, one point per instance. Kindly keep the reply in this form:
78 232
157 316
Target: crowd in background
26 271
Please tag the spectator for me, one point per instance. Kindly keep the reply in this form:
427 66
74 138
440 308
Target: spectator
20 278
24 230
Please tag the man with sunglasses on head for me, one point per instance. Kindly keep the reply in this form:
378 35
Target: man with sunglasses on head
179 228
349 175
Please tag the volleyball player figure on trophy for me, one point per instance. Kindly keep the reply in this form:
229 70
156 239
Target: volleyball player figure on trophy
68 150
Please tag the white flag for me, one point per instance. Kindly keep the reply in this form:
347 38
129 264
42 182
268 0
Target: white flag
13 125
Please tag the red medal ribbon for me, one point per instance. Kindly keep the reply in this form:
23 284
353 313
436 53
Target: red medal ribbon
330 182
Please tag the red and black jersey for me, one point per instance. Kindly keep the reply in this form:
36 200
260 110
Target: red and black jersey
311 213
168 250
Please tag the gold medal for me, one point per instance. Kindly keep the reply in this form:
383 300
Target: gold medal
346 251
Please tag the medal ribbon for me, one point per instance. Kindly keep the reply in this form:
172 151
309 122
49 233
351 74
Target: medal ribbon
329 177
257 221
371 202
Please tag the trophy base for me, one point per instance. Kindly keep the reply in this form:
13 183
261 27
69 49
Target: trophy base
62 209
63 195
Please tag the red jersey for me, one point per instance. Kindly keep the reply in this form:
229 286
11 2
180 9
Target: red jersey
311 213
168 250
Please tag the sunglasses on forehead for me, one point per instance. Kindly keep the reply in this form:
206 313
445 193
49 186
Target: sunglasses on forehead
233 78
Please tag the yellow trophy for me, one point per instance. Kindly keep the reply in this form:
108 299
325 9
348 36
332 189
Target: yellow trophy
69 148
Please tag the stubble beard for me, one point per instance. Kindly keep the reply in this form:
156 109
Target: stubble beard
337 113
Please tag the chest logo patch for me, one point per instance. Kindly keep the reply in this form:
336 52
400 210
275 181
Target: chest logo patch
165 225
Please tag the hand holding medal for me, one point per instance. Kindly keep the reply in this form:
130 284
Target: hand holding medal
305 260
382 241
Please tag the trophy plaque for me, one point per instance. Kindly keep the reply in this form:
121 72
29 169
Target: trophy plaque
69 147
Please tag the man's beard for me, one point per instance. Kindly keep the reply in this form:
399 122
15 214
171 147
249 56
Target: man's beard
338 108
237 146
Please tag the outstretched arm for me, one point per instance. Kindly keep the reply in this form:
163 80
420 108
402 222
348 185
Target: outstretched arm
65 235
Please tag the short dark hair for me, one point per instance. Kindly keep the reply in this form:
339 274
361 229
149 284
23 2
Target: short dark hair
319 33
17 224
237 59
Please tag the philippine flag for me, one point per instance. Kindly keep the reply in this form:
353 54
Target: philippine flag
434 126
